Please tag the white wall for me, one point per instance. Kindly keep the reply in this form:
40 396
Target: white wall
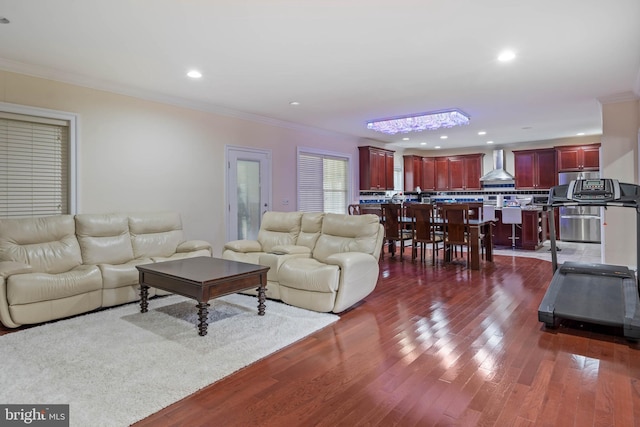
137 155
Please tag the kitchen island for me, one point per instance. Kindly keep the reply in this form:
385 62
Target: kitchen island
531 233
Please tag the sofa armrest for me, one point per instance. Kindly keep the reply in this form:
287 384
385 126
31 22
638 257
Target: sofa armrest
244 246
193 246
350 259
290 250
358 277
8 268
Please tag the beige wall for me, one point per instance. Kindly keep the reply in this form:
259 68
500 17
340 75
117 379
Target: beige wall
619 159
139 155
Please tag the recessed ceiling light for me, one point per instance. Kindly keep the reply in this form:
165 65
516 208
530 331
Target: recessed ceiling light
444 137
437 147
194 74
423 143
506 56
580 134
489 142
526 127
482 132
294 103
405 139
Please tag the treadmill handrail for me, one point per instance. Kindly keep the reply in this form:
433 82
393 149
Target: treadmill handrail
596 204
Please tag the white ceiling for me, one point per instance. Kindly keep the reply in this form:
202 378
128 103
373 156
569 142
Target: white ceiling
346 62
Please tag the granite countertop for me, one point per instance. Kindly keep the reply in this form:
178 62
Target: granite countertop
525 208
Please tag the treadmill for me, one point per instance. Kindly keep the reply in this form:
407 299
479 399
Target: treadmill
595 293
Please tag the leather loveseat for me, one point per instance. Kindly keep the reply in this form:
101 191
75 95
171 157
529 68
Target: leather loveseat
321 262
58 266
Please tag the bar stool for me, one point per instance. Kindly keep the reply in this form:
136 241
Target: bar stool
489 212
512 215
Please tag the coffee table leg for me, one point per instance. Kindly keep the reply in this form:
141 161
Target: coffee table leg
203 314
144 296
261 299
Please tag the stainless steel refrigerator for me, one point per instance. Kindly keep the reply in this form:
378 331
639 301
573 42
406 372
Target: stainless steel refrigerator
579 223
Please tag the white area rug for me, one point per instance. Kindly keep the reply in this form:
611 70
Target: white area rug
118 366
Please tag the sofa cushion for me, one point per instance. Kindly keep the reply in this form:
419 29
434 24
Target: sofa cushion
310 228
120 275
309 274
155 234
104 238
48 244
279 228
35 287
347 233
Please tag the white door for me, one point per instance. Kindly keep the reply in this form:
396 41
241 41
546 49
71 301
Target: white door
248 191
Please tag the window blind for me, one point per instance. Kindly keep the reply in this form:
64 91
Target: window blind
322 183
34 166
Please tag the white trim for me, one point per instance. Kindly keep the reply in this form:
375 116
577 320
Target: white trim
72 119
269 173
618 97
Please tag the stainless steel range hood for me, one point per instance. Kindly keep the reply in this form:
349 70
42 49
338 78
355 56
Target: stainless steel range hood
498 173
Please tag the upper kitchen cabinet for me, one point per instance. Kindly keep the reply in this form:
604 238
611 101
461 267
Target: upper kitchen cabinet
412 172
535 169
441 173
576 158
428 173
376 168
465 172
419 172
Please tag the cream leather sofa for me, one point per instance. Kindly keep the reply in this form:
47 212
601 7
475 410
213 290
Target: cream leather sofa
321 262
59 266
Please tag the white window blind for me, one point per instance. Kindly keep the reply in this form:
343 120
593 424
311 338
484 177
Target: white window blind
34 166
322 183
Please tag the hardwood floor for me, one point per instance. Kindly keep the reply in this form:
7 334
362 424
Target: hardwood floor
434 347
439 346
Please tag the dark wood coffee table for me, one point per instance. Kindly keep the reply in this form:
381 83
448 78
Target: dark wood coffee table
202 279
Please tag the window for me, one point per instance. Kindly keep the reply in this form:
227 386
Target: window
36 167
323 181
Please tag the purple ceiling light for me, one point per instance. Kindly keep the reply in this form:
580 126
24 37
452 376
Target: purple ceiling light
420 122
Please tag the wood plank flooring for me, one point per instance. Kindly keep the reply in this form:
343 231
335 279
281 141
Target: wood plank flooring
434 346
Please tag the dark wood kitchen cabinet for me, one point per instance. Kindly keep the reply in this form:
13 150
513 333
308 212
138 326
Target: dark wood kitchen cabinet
419 171
465 172
442 173
531 234
376 168
412 172
428 173
535 169
575 158
534 229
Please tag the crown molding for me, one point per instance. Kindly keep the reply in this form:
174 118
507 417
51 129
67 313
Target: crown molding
107 86
619 97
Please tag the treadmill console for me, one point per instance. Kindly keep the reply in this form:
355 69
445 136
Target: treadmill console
594 190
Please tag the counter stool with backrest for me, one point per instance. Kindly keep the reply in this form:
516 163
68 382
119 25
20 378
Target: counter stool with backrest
512 215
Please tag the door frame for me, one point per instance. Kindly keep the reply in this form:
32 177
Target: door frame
231 206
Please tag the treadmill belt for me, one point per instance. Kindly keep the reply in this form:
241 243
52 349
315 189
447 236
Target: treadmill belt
589 298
